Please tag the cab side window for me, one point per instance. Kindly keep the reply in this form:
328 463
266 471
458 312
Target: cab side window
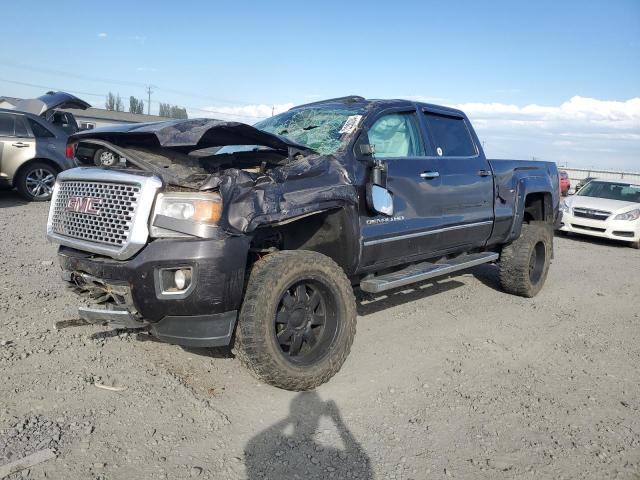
450 135
396 135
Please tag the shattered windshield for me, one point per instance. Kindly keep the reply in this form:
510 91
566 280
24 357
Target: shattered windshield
325 130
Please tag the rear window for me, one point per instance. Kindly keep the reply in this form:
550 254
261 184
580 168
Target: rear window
38 130
450 135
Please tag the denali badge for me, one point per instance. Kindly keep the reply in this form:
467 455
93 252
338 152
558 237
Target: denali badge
88 205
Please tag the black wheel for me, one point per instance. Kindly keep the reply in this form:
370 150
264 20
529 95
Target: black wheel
297 321
524 263
635 244
35 181
105 158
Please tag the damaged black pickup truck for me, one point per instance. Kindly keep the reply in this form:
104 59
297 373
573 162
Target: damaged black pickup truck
211 232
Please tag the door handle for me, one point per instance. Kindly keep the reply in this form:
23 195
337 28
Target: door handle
484 173
20 144
429 175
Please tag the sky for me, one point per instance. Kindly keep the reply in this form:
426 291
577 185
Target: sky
551 80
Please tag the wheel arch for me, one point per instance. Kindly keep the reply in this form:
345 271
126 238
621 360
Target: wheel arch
26 164
534 202
332 232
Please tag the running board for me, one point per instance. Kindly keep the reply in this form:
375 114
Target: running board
424 271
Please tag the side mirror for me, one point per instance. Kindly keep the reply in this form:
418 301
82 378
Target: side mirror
380 199
367 150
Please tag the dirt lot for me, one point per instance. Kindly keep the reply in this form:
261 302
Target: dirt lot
447 379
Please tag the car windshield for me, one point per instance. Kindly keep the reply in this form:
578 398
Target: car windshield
611 190
324 129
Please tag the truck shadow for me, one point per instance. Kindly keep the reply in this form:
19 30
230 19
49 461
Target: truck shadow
291 448
370 303
605 242
11 198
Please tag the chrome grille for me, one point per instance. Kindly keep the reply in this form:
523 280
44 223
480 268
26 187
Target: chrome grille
116 211
104 211
590 213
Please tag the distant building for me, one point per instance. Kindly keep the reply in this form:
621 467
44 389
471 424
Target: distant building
96 117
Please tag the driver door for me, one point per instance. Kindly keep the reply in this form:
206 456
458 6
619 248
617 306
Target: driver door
413 181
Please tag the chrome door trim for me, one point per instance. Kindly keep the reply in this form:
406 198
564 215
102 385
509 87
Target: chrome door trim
421 234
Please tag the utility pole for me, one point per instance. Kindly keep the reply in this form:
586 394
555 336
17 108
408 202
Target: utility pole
149 92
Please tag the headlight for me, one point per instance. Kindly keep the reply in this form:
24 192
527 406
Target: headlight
192 208
632 215
564 207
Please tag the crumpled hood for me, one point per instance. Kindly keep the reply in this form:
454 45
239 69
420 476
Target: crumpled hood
51 101
188 135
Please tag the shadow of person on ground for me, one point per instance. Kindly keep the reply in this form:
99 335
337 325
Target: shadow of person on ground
291 448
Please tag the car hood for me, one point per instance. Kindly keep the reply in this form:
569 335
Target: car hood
599 203
51 101
188 135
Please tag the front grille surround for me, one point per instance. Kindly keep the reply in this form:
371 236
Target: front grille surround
591 213
120 228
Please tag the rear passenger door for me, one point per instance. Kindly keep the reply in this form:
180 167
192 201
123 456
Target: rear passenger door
467 191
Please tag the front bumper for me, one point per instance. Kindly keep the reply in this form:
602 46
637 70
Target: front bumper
624 230
204 317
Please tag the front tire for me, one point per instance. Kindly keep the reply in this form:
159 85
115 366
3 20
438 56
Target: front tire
35 181
524 263
297 321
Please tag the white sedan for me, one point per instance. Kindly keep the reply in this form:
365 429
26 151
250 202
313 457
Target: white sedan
604 208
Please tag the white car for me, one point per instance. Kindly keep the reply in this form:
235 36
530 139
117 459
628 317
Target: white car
604 208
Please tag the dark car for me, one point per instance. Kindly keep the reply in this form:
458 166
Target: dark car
583 182
33 141
262 242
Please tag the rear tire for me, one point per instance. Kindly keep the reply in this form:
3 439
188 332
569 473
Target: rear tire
35 181
297 321
524 263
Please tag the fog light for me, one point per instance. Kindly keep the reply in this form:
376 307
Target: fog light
174 281
180 279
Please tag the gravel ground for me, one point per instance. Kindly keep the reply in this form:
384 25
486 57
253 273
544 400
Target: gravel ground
447 379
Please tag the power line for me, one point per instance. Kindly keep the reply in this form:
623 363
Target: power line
108 81
102 95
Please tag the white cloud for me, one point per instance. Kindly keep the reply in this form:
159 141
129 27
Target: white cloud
243 113
137 38
583 132
102 35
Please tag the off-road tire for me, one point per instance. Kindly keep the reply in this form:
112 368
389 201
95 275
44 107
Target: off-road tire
514 265
25 172
256 345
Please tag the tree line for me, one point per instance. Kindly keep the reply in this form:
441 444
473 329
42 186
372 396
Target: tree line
136 105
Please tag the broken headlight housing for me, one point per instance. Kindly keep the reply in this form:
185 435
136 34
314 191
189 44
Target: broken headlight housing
185 214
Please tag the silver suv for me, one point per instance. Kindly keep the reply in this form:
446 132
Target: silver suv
33 143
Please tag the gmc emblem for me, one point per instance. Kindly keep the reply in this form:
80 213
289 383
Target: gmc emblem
88 205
